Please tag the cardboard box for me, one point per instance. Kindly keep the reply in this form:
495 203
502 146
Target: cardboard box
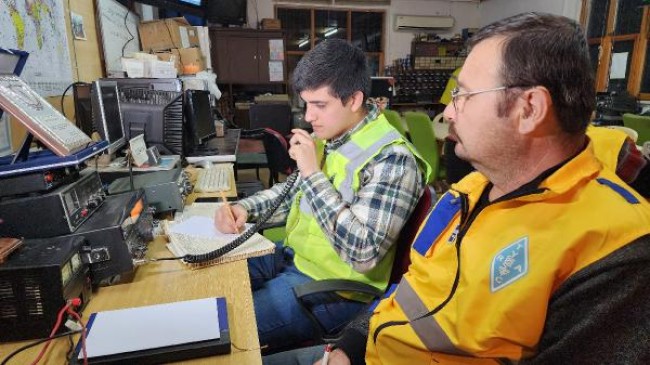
168 56
158 35
188 57
269 23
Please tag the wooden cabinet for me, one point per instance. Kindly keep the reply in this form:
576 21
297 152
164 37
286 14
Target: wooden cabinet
244 56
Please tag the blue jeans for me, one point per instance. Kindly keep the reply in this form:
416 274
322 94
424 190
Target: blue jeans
281 322
303 356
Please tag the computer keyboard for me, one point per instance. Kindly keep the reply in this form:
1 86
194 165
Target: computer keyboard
213 179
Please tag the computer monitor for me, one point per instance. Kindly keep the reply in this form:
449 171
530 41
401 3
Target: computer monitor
107 116
148 83
190 2
83 109
157 114
198 115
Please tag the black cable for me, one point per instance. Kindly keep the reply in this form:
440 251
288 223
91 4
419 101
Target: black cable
209 256
66 91
434 310
128 30
36 343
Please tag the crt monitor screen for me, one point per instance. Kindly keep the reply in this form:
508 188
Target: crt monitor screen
106 114
226 12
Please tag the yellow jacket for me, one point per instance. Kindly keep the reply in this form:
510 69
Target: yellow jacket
513 255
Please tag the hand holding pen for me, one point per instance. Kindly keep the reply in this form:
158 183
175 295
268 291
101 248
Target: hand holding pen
230 218
333 356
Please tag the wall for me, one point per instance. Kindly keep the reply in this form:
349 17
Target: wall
492 10
398 43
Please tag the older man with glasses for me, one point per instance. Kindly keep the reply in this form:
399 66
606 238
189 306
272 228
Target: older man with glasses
542 256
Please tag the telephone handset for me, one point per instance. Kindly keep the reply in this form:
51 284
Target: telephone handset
209 256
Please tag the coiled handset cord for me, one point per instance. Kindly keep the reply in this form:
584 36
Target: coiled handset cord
212 255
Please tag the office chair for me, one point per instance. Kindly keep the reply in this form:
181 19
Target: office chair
400 266
424 139
276 148
275 116
639 123
250 153
396 121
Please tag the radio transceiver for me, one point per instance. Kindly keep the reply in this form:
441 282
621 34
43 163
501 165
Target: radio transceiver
58 212
118 234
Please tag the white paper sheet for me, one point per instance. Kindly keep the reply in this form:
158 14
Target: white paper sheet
619 65
203 227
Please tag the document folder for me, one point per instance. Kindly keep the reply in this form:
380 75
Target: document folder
157 334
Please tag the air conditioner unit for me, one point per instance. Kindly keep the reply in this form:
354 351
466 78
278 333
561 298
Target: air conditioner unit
414 22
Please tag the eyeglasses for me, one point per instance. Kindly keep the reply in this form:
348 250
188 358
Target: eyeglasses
455 93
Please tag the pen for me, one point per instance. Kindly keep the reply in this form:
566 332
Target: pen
326 355
232 217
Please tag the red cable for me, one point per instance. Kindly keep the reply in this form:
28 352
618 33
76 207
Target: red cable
59 317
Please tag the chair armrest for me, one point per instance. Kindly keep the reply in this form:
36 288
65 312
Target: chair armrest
333 285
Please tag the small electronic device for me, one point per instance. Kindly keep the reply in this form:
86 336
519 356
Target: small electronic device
36 281
107 115
118 234
37 182
138 150
165 190
58 212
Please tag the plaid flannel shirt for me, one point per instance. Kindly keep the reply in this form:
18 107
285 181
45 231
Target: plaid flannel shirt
361 232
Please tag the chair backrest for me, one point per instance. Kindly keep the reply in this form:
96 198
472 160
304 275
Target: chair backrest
395 120
277 153
407 235
640 123
424 140
275 116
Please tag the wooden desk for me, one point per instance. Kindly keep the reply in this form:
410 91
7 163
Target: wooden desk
170 281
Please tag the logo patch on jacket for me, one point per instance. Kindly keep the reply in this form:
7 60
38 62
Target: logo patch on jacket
509 264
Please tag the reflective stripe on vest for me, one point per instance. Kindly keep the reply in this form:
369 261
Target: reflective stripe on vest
356 157
427 329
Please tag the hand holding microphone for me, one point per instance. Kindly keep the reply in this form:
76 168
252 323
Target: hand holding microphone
302 149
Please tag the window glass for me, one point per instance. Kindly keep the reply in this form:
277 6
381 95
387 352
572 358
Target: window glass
594 54
296 24
331 24
367 30
597 24
628 17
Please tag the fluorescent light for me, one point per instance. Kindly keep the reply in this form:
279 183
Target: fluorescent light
330 32
303 43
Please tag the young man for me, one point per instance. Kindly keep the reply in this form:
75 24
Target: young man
543 255
359 181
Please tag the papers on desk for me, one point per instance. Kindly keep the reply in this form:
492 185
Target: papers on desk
182 330
193 232
202 226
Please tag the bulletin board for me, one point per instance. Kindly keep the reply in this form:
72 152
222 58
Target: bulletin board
119 33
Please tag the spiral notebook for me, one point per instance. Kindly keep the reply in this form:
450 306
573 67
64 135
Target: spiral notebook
193 232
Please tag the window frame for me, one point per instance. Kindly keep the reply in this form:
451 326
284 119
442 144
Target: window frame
606 43
349 31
